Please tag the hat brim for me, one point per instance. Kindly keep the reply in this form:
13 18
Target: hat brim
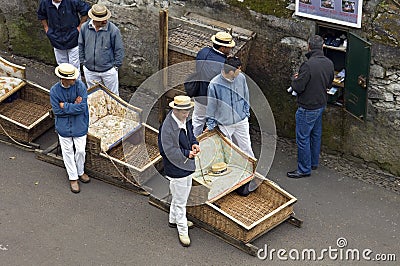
228 170
230 45
172 105
75 76
93 17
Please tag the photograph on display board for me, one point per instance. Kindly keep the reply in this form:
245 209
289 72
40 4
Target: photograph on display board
348 6
342 12
328 4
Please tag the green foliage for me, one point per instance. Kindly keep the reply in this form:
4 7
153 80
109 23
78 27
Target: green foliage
267 7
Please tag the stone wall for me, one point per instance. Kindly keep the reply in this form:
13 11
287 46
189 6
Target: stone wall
275 55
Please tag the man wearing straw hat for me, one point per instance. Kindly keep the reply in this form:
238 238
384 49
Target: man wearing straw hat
178 147
101 49
209 63
68 98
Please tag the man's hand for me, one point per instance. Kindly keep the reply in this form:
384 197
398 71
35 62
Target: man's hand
206 130
195 149
78 100
62 105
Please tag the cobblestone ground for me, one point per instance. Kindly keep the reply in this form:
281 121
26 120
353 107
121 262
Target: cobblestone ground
347 167
44 75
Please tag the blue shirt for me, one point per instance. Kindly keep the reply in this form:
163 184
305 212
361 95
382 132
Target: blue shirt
63 22
73 119
228 101
101 50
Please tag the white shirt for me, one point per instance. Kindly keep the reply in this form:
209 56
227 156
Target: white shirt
179 122
56 4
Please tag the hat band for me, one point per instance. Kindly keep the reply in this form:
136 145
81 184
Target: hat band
100 15
222 41
183 105
220 172
66 75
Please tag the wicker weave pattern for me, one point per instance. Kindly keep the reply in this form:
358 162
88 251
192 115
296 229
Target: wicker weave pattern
32 103
135 151
248 210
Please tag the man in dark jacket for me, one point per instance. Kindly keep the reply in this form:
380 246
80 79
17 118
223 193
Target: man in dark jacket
209 63
178 147
62 20
311 83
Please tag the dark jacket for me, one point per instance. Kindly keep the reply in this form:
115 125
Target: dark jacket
208 69
315 77
73 119
175 146
63 22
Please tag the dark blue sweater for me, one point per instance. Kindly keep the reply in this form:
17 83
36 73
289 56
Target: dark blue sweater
175 146
63 22
208 69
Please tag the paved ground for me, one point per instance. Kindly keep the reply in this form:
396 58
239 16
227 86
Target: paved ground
43 223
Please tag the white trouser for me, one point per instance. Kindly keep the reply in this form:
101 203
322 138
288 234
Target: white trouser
198 118
241 135
109 78
74 163
180 190
68 56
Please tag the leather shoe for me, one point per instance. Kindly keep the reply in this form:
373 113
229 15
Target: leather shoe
74 186
84 178
314 167
295 174
189 224
184 240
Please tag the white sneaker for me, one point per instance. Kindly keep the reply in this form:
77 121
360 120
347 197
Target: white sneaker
185 240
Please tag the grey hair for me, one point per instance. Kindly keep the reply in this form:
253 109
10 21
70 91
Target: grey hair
315 42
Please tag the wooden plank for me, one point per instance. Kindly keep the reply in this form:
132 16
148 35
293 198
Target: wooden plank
52 158
111 180
294 221
49 158
246 247
28 145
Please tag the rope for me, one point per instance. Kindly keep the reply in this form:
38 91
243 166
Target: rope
15 141
201 170
116 167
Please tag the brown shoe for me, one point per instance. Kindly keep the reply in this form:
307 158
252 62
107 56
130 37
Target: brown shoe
74 186
84 178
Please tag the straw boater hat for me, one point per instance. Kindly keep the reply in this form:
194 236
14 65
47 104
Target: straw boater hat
219 169
181 102
99 13
66 71
223 39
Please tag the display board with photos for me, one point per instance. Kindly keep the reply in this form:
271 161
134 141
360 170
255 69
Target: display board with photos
343 12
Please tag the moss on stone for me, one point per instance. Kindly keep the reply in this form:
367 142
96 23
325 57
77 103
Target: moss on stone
267 7
27 39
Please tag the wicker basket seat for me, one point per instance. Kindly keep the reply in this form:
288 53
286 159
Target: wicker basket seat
120 148
111 129
217 148
246 218
109 119
9 85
